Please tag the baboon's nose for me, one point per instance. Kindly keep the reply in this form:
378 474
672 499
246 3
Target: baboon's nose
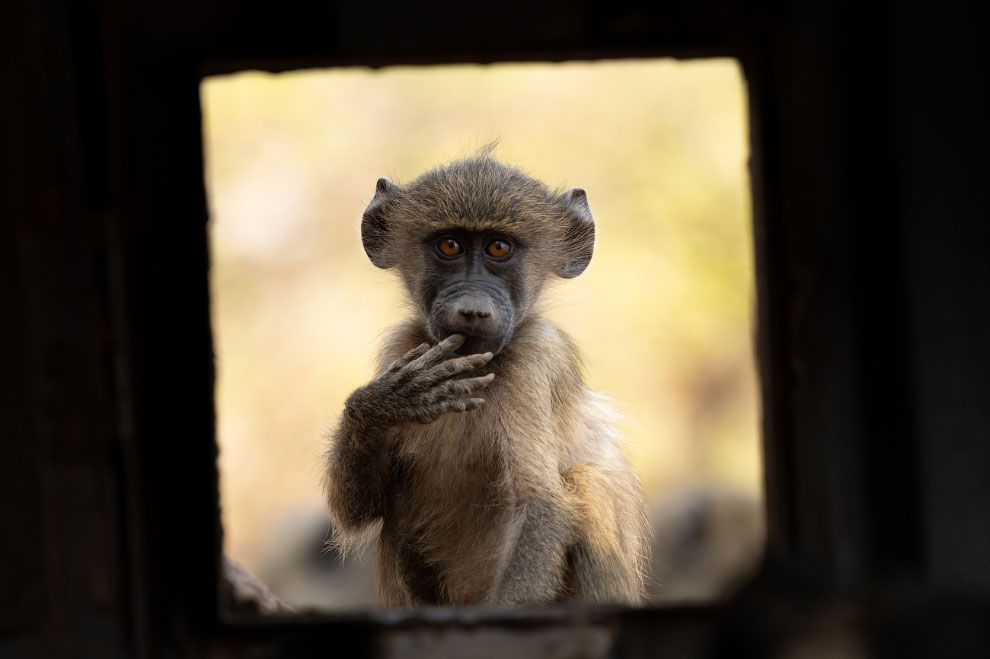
473 311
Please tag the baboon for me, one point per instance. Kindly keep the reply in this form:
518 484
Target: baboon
522 496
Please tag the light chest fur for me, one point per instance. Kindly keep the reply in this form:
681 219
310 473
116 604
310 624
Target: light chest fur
460 483
457 490
460 487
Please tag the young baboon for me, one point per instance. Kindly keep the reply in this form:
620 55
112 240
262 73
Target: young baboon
520 497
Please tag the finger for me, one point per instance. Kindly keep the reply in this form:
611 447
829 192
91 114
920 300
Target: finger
436 354
462 387
454 367
431 412
408 357
431 357
416 352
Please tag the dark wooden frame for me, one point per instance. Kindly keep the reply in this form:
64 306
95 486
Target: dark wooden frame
162 91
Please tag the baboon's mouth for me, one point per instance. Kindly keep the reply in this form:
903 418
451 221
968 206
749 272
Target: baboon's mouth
475 343
476 339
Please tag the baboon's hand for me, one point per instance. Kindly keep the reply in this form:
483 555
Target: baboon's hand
420 386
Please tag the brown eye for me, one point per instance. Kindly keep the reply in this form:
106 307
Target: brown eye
449 247
498 249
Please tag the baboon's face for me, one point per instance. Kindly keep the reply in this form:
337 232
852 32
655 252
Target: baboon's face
473 285
474 242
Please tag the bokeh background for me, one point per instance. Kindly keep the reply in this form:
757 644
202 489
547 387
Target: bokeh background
663 314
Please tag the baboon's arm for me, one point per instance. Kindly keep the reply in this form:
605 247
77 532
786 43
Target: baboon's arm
416 387
607 559
536 564
357 474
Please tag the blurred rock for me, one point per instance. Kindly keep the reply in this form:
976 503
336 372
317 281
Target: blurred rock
246 593
705 542
301 566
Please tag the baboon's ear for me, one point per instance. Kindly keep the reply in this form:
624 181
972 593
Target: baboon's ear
578 242
375 222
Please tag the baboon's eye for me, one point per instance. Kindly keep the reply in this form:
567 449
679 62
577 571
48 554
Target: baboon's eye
449 247
498 249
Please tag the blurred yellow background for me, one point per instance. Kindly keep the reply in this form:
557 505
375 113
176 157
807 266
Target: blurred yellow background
663 314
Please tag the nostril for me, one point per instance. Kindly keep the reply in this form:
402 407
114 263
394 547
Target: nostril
472 314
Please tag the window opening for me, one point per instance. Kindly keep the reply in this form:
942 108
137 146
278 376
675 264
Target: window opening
663 315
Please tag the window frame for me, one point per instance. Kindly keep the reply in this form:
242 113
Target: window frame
175 534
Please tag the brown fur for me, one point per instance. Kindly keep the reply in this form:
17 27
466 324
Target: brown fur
526 499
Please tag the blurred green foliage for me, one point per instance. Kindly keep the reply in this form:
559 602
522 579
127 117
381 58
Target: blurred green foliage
663 314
